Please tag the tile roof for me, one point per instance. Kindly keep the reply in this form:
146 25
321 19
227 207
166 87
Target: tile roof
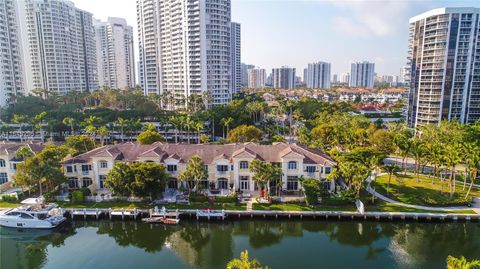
11 148
209 153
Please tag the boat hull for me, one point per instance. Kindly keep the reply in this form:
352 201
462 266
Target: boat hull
30 223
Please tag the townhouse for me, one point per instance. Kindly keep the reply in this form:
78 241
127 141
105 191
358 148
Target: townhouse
9 159
227 165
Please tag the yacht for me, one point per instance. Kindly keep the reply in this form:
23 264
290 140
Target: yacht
32 215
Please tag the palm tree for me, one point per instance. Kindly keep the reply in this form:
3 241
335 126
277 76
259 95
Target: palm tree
188 124
391 170
263 172
226 124
195 171
70 122
103 132
37 122
198 126
175 121
122 124
244 262
418 152
452 158
462 263
20 120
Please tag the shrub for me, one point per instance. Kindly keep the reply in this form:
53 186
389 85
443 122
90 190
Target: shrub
86 191
226 199
50 196
194 198
78 197
9 198
312 189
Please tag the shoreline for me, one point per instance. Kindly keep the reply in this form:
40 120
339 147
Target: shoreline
137 214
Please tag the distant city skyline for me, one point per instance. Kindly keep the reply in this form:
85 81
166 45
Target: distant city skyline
294 33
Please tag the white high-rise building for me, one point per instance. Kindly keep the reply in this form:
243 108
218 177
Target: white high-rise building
318 75
11 65
115 57
236 56
345 78
283 78
244 69
444 61
256 78
362 74
185 48
59 46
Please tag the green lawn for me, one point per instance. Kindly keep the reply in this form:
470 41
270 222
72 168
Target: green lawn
381 206
207 205
9 205
408 190
128 205
302 207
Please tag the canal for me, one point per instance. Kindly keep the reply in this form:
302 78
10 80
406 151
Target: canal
278 244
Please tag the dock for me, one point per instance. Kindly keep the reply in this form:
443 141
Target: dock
134 214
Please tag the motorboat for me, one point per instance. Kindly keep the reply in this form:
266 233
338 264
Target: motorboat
33 214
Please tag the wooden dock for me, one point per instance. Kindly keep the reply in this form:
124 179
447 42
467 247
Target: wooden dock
259 214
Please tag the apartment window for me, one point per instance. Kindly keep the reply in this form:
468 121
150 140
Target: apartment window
328 170
172 168
101 179
292 183
311 169
86 168
292 165
3 178
103 164
2 163
69 169
222 168
243 165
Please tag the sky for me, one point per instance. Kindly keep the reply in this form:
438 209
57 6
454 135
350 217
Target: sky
294 33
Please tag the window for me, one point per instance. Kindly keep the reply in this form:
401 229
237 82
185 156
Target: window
13 166
292 183
73 183
292 165
222 168
2 163
206 167
101 179
173 184
3 178
103 164
311 169
69 169
243 165
86 182
244 183
172 168
222 184
328 170
86 168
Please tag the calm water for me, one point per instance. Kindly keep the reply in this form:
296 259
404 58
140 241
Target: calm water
278 244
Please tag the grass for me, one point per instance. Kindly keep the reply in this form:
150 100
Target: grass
302 207
207 205
381 206
408 190
9 205
128 205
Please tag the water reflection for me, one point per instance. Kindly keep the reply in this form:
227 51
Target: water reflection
211 245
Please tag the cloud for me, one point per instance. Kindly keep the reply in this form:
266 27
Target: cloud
368 18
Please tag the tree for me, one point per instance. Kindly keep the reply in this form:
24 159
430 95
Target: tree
391 170
70 122
312 188
418 152
263 172
198 126
226 124
139 179
42 169
149 137
79 144
122 124
244 262
204 139
462 263
195 171
245 133
103 132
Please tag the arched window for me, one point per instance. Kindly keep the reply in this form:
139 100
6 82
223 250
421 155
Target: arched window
2 163
292 165
243 165
222 184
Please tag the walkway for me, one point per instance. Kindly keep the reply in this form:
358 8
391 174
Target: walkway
386 199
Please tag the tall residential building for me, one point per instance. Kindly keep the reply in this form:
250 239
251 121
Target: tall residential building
345 78
283 78
236 56
256 78
11 65
444 61
59 46
335 78
305 75
115 60
404 77
185 48
244 69
318 75
362 74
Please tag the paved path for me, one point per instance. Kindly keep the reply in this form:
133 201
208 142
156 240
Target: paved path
250 205
386 199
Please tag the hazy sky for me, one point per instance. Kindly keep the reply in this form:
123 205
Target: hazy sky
296 32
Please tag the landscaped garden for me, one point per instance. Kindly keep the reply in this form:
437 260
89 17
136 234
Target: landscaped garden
409 190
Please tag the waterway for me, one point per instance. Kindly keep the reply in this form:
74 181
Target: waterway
278 244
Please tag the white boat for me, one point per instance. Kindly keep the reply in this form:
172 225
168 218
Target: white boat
32 215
